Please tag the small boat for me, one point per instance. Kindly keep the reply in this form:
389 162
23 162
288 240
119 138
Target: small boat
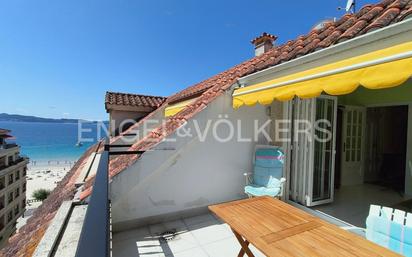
79 144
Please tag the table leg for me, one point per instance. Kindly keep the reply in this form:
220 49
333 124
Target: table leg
244 244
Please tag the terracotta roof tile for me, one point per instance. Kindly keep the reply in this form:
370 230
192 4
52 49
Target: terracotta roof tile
329 40
385 3
114 98
406 13
343 19
347 24
399 4
364 10
309 47
326 32
384 19
354 30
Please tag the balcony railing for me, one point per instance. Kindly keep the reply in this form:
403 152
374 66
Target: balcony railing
12 163
95 235
18 160
7 146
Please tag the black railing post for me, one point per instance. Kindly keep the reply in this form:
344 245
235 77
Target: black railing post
95 236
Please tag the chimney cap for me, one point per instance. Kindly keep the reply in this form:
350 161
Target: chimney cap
265 37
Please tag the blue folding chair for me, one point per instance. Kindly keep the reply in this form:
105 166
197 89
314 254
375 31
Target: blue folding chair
390 228
267 177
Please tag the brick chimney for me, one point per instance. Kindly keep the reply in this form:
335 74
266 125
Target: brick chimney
263 43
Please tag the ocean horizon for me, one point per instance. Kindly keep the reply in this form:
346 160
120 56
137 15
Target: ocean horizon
47 143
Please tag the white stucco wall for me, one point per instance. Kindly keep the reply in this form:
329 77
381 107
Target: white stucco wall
117 117
143 129
195 174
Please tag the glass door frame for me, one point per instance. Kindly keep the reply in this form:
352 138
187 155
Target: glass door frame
299 149
300 160
355 152
310 177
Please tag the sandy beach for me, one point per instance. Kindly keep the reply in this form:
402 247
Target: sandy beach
45 175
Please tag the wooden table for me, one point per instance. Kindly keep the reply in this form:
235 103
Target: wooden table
279 229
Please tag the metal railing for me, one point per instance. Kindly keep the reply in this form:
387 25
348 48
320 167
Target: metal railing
95 235
12 163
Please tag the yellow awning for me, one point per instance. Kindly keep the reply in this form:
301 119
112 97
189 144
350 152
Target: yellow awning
175 108
384 68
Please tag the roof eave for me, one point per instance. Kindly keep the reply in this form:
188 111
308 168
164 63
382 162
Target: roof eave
128 108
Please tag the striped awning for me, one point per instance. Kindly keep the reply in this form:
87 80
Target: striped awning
385 68
177 107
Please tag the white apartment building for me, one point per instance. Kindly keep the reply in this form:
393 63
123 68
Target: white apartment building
13 170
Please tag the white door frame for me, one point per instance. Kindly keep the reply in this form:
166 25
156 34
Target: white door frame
300 189
298 149
344 145
309 200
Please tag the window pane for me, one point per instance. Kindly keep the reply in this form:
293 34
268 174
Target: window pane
355 117
353 145
353 153
354 131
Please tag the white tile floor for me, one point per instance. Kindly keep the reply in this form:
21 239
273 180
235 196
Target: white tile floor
197 236
205 235
351 203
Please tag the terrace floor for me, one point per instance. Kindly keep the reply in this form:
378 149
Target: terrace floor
199 236
351 203
206 235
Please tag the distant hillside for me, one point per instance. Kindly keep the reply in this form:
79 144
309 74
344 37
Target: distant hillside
24 118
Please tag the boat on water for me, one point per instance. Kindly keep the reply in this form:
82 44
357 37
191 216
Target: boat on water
79 144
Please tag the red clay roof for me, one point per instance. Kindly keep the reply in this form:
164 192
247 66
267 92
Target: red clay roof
114 98
369 18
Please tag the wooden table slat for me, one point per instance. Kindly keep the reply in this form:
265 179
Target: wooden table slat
279 229
276 236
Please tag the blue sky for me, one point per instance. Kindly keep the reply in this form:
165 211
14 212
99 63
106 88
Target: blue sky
58 58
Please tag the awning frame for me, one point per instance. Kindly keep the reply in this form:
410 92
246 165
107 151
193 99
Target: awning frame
392 58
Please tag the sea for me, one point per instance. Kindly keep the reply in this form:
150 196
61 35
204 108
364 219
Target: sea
53 142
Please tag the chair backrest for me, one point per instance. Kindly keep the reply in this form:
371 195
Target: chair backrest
390 228
268 166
